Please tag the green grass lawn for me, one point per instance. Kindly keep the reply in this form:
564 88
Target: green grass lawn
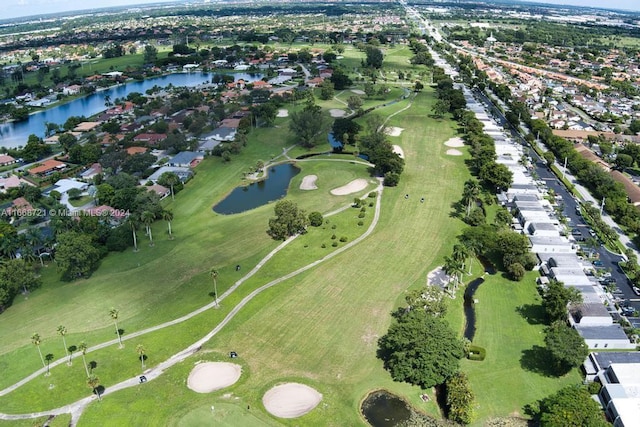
81 201
508 379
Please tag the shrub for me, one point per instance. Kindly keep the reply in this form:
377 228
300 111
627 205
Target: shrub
476 353
334 244
361 215
363 209
334 237
371 204
323 246
594 387
315 219
333 227
343 239
516 271
372 195
360 223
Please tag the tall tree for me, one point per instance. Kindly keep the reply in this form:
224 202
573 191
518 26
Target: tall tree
566 347
167 215
114 313
571 406
93 382
141 354
420 349
470 194
307 124
289 220
62 331
147 218
213 272
460 398
556 298
83 351
36 340
76 254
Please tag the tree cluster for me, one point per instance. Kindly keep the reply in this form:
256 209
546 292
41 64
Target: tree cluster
289 220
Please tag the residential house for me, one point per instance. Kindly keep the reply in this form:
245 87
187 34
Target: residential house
186 159
20 207
160 190
183 173
6 160
136 150
47 167
150 138
92 171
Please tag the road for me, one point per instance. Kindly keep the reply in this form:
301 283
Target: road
574 220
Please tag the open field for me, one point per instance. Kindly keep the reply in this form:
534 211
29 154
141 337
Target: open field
509 335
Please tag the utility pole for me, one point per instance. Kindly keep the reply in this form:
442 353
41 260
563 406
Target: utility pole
602 206
564 169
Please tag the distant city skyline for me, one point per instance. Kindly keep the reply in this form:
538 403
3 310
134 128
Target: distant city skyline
22 8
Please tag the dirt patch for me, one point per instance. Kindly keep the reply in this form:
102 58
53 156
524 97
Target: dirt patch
309 182
336 112
282 113
454 142
211 376
454 152
352 187
394 131
399 151
291 400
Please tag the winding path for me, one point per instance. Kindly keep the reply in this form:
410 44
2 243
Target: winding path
76 408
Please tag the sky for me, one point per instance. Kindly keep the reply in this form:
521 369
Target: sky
18 8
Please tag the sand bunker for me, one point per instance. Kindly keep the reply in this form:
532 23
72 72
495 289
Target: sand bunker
336 112
282 113
309 182
399 151
454 152
357 91
212 376
352 187
394 131
454 142
290 400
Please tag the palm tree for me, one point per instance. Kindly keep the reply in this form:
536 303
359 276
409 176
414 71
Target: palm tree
107 101
141 351
213 272
35 340
93 382
452 268
168 216
113 312
460 254
470 194
49 357
62 331
147 218
83 349
132 221
172 179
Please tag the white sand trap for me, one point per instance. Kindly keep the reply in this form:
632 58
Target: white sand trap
282 113
399 151
357 91
454 142
290 400
352 187
438 278
309 182
454 152
212 376
394 131
336 112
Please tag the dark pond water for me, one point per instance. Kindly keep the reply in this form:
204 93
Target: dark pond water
259 193
383 409
16 134
333 141
469 310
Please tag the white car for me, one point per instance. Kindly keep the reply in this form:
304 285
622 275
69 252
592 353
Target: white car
636 290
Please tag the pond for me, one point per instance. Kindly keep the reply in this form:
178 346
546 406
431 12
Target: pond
259 193
16 134
383 409
469 310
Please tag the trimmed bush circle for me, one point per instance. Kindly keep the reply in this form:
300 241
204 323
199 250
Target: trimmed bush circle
476 353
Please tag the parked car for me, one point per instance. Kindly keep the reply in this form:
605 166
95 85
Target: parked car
636 290
597 263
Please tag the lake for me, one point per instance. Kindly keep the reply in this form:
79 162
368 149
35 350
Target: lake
259 193
16 134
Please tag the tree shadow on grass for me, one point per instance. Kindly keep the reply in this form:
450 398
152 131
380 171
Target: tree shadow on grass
92 365
533 313
538 360
457 210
